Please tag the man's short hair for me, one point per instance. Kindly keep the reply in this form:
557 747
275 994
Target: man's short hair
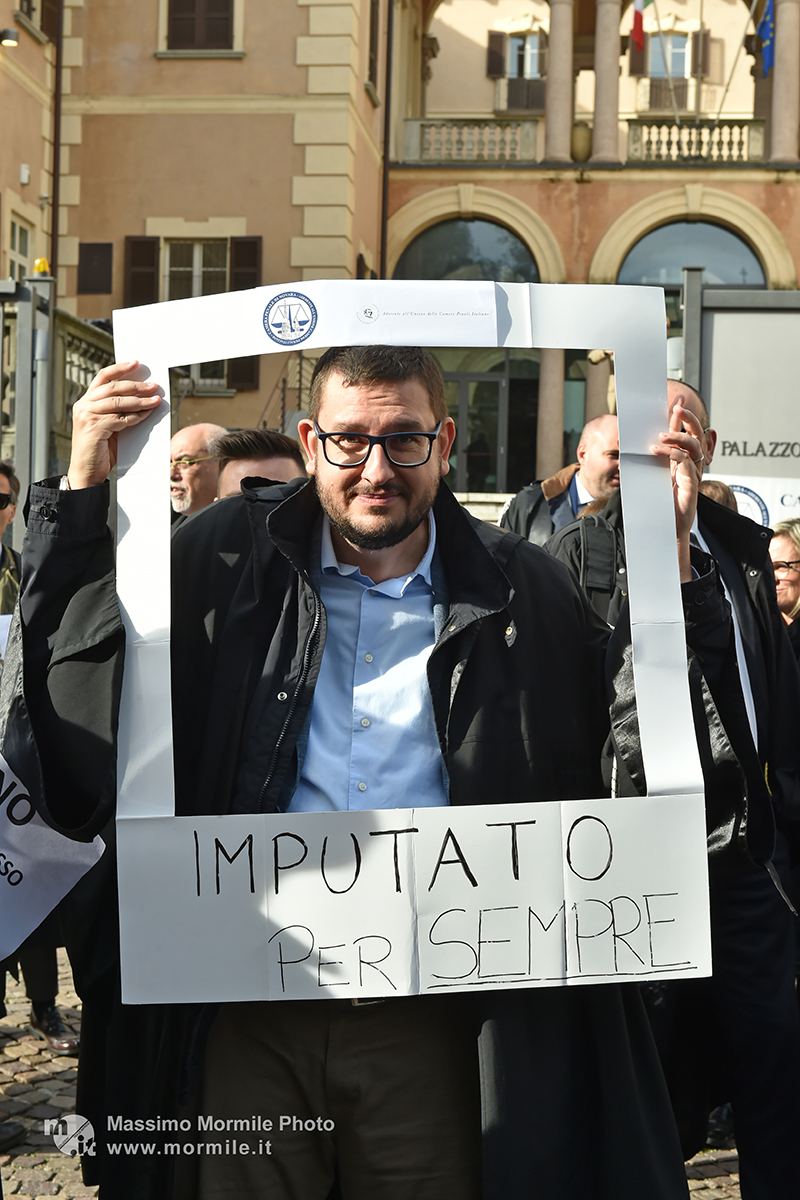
245 445
378 364
7 469
718 491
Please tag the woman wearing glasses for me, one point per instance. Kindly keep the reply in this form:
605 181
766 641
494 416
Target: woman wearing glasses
784 550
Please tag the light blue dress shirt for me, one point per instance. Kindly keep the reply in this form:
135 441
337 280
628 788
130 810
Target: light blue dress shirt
372 739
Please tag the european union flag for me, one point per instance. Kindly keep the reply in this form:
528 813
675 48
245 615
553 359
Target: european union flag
766 31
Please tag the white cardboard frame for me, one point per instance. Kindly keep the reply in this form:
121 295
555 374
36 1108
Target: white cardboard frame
185 940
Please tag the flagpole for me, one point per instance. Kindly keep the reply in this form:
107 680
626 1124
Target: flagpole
753 7
667 65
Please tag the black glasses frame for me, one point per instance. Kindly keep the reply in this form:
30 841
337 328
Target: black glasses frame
379 439
786 566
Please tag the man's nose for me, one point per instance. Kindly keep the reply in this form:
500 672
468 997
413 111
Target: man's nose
377 467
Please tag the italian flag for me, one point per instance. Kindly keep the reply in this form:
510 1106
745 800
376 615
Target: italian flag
637 35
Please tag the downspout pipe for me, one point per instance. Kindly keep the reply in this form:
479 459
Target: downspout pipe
387 133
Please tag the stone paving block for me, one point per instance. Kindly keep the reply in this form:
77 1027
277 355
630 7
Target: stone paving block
11 1107
40 1111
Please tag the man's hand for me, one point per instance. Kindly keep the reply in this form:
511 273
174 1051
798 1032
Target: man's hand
114 401
682 446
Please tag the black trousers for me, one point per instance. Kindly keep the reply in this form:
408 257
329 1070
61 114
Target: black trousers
755 1010
385 1097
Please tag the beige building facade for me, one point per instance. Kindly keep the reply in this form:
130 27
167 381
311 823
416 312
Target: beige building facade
228 143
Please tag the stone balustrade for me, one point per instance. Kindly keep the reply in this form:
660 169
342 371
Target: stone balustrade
490 140
726 141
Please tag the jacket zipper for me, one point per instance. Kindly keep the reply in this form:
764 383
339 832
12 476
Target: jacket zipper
307 657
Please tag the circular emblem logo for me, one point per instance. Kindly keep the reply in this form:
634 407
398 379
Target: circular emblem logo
72 1134
290 318
750 504
368 314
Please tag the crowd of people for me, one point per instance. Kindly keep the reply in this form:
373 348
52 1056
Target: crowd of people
375 646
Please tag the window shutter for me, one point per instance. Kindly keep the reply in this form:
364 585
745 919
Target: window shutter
496 56
182 24
705 62
95 268
543 55
49 19
245 272
141 271
716 61
245 263
243 373
636 65
217 33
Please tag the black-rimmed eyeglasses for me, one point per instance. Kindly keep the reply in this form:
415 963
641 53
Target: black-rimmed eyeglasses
783 568
353 449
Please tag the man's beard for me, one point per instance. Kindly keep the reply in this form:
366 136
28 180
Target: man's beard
391 531
181 503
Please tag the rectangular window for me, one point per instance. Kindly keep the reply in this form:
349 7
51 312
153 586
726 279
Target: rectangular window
200 25
671 58
95 268
20 249
526 56
198 269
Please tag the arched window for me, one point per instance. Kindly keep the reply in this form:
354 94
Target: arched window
468 248
660 256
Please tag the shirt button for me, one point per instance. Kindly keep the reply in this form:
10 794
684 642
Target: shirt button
365 721
372 592
367 658
362 787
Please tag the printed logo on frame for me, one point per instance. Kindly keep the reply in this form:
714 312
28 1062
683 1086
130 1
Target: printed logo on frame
290 318
750 504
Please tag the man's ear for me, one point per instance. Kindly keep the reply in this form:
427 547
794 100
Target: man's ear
711 445
447 435
308 440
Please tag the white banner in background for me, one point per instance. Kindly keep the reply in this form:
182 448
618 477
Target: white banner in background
37 865
406 901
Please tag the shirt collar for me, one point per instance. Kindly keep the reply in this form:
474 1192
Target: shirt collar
584 497
330 564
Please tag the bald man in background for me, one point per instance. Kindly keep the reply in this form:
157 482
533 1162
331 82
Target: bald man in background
544 507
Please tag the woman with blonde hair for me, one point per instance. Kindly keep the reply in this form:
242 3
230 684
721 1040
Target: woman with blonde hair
784 550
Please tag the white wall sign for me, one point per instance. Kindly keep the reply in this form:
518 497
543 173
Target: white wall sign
270 907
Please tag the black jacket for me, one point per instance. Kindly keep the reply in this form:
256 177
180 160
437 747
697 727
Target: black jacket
541 507
594 549
517 682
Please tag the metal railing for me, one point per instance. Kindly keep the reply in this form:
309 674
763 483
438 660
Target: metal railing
726 141
490 139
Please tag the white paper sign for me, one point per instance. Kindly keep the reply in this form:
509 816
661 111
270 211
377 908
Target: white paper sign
37 865
407 901
245 907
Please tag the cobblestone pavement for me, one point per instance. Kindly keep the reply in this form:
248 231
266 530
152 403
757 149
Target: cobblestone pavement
36 1084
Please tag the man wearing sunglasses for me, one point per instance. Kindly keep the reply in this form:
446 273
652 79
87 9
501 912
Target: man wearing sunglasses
356 641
